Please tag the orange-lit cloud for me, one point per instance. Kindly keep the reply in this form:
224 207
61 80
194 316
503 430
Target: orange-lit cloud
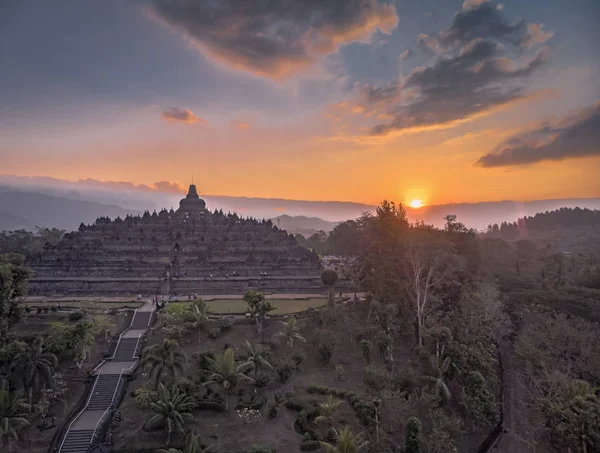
240 125
183 115
274 39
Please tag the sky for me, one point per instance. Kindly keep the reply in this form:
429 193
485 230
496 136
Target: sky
351 100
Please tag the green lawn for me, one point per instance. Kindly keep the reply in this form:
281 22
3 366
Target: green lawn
284 306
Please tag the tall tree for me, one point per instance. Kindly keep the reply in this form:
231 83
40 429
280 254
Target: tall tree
431 262
290 332
163 359
198 318
258 356
258 307
13 286
329 277
172 409
227 373
13 412
34 368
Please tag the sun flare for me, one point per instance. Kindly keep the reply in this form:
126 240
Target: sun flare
416 204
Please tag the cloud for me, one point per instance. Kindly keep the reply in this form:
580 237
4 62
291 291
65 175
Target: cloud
179 114
481 61
406 54
274 39
240 125
470 4
577 135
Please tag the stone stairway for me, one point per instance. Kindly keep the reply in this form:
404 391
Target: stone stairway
77 441
126 350
104 392
84 429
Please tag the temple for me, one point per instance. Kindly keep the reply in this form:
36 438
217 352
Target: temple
191 250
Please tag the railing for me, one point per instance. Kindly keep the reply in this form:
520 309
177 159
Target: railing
96 433
120 336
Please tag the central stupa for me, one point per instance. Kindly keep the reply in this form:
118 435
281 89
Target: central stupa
192 202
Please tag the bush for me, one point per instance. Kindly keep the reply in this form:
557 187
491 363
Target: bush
272 410
375 378
28 309
225 323
298 358
73 316
365 411
406 382
285 370
214 332
143 397
204 360
325 344
413 435
211 405
309 445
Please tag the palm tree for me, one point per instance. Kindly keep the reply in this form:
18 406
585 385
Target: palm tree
290 332
227 372
163 359
440 368
199 317
192 445
346 442
172 410
328 409
258 356
34 367
13 410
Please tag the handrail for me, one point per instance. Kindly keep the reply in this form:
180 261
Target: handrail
110 406
121 336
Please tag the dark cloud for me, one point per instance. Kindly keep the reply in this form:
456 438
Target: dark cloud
577 135
179 114
475 72
274 38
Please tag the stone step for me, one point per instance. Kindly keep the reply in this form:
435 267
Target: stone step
77 441
141 320
104 392
126 350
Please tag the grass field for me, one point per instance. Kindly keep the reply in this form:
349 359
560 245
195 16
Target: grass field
284 306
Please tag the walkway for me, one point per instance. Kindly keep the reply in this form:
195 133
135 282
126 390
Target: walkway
108 383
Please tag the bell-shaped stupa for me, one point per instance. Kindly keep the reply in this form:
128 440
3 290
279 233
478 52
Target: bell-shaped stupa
192 202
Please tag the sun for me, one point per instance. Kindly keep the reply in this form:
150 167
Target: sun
416 204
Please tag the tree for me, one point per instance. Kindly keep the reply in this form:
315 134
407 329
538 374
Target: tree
346 442
35 367
13 410
192 445
13 286
290 332
163 359
328 409
199 317
413 436
171 410
258 307
440 367
226 372
258 356
431 262
329 277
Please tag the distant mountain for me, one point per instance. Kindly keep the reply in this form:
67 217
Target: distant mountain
26 210
306 226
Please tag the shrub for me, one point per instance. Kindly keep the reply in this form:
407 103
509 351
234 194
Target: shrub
272 410
413 435
309 445
298 358
53 308
143 397
225 323
284 370
204 360
405 382
295 404
325 344
262 380
73 316
340 372
28 309
214 332
365 411
375 378
261 449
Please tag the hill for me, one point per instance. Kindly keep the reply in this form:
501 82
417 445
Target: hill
306 226
26 210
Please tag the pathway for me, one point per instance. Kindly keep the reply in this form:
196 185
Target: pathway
108 382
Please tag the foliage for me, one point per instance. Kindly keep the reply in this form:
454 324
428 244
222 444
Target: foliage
13 412
325 344
171 409
163 360
327 410
478 400
329 277
13 286
285 368
192 445
258 307
198 317
375 378
365 347
227 373
258 356
346 442
340 371
29 243
248 415
144 397
413 436
290 332
439 368
34 368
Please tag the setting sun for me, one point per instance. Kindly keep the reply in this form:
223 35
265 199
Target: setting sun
416 204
